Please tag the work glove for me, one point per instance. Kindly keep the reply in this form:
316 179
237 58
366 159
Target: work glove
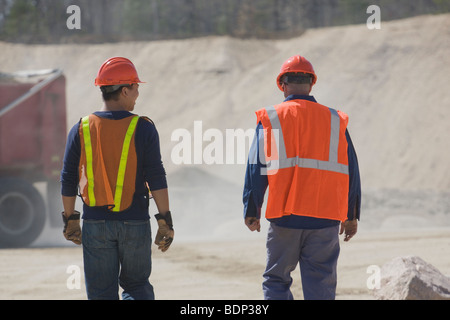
72 229
164 236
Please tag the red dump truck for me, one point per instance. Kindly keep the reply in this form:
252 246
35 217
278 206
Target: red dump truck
32 141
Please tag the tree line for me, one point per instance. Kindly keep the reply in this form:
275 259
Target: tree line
44 21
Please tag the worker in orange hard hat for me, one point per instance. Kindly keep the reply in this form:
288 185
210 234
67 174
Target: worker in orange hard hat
299 69
117 71
303 152
113 157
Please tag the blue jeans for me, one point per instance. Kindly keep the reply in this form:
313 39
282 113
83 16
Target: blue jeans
117 253
317 252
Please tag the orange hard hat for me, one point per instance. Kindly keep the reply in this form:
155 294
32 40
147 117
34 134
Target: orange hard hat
117 71
296 64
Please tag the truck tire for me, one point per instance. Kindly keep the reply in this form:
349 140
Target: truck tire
22 213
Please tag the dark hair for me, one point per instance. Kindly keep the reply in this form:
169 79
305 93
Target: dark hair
298 78
113 92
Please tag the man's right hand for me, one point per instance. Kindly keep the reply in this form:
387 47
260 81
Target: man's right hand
253 224
72 229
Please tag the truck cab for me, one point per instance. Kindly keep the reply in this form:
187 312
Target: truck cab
32 140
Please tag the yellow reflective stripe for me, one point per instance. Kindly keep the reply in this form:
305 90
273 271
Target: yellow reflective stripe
88 151
123 164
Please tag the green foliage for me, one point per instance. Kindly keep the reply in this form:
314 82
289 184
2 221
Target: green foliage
22 19
113 20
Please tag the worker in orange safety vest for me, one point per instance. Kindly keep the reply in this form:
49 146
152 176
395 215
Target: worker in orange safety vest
303 152
113 158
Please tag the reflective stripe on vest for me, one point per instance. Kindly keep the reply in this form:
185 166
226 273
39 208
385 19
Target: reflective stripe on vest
122 164
284 162
88 150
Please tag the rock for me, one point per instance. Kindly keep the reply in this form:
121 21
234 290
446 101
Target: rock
411 278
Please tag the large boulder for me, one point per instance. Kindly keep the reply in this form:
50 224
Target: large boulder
411 278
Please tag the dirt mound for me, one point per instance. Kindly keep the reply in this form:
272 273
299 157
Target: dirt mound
392 82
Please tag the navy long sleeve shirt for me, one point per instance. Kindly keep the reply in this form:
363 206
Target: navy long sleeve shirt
150 169
256 185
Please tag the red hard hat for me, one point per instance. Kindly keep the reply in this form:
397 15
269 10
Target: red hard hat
116 71
296 64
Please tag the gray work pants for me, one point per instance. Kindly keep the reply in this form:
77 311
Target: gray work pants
317 252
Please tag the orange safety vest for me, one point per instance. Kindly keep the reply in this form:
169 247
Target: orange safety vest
108 162
305 150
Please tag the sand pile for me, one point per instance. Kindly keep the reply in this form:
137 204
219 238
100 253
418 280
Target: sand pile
391 82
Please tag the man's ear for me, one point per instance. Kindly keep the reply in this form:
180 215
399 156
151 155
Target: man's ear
124 91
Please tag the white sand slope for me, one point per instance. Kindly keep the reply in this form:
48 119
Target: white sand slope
392 82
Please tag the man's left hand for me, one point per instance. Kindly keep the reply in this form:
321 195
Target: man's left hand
165 234
349 227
